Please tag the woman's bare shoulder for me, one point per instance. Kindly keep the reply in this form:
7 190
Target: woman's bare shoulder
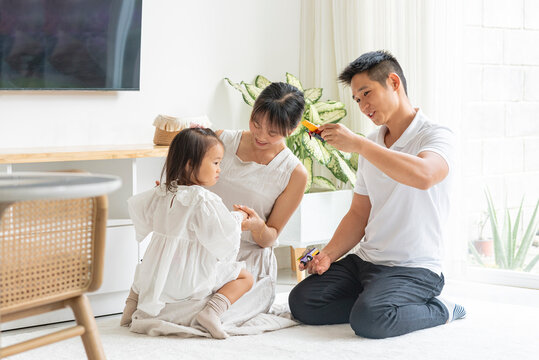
299 175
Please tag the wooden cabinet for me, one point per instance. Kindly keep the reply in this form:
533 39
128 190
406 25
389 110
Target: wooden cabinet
138 166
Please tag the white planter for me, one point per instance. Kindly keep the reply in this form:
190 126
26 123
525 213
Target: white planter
316 218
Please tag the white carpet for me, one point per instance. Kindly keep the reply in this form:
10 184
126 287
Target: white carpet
491 330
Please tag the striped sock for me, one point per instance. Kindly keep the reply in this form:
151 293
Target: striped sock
455 311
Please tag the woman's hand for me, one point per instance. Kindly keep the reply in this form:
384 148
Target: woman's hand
252 222
341 137
318 265
243 213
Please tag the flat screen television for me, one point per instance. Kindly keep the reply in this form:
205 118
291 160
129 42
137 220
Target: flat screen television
70 44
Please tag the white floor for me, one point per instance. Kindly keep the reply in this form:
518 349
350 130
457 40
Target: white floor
502 323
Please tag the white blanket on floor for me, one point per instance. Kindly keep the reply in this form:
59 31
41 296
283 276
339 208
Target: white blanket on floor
179 319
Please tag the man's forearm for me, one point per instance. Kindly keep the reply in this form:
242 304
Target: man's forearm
404 168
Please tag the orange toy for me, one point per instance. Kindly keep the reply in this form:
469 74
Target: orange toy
312 129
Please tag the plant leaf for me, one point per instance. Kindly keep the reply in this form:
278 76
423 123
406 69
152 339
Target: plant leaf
261 82
312 95
340 168
532 263
315 148
506 238
333 116
354 158
246 97
292 80
526 241
252 90
328 106
351 159
308 163
323 183
313 116
499 253
515 230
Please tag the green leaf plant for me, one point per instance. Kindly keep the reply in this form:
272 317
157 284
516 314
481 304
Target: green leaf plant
510 249
309 149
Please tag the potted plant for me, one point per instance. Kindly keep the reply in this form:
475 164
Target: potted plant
307 226
482 246
510 249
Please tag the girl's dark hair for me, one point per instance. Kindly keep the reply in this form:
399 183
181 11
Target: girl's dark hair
283 105
185 156
378 65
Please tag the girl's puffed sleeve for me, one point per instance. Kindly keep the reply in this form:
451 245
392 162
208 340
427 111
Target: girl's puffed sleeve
217 229
140 211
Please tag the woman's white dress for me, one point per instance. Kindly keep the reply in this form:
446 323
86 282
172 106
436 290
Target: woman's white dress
193 248
258 187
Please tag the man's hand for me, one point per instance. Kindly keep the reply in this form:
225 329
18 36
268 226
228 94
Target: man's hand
341 137
318 265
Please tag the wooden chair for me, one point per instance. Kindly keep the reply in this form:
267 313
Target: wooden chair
51 253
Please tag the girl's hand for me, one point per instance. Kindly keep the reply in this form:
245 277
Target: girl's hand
253 222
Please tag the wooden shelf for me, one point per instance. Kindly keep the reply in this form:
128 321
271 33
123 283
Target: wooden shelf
78 153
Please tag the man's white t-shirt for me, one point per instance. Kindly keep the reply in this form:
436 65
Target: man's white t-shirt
405 224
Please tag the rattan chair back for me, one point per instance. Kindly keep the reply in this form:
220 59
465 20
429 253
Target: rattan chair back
51 252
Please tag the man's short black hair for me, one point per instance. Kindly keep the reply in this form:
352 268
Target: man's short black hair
378 65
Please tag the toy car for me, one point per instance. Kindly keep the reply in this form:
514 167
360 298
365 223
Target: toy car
308 256
312 130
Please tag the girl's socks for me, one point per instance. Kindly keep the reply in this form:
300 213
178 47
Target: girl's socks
210 316
130 307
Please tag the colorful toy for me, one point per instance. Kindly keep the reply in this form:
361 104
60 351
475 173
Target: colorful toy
308 256
312 130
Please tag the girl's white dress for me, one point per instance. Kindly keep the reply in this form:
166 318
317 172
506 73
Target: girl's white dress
193 248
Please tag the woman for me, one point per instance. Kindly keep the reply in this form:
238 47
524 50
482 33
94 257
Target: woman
259 172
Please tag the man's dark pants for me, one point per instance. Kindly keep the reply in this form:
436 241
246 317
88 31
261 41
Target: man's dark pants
378 301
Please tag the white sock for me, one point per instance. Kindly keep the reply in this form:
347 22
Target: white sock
455 311
210 316
130 307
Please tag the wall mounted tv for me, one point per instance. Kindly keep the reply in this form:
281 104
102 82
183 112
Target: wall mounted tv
70 44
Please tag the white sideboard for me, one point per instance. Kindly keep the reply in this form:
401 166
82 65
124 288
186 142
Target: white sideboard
138 166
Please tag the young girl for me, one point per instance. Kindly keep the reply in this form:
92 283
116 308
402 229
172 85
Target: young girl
195 238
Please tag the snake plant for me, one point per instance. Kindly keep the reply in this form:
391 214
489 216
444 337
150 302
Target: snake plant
510 250
310 149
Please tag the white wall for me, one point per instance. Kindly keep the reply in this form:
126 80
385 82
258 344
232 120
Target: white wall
501 98
188 47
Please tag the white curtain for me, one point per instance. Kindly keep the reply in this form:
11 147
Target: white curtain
425 37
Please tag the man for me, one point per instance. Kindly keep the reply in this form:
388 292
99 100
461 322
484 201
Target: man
401 201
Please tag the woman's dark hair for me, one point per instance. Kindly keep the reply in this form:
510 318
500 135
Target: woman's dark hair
185 156
282 104
377 64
